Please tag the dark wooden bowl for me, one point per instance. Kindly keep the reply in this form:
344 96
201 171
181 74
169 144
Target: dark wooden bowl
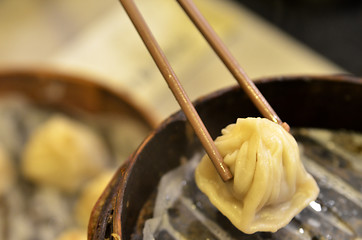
332 102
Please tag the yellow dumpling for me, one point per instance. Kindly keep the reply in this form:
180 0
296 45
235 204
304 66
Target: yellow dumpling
63 153
90 193
73 234
270 185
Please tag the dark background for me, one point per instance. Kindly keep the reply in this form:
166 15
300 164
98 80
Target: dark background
331 27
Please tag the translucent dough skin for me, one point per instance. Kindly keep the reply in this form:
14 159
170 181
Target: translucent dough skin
270 185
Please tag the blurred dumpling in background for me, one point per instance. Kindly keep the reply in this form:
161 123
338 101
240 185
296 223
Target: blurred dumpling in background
89 196
270 185
63 153
73 234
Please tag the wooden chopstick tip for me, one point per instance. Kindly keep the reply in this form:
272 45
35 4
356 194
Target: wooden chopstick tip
285 126
223 170
226 176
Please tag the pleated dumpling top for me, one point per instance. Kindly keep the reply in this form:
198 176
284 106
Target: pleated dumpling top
270 184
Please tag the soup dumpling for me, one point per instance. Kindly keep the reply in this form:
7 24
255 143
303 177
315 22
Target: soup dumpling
7 172
270 185
63 153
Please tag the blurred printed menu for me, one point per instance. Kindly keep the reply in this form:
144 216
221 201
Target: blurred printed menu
107 46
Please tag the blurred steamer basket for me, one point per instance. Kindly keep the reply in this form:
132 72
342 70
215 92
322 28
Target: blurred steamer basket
68 92
30 99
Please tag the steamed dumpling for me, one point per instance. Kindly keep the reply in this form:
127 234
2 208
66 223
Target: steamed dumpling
89 196
270 185
63 153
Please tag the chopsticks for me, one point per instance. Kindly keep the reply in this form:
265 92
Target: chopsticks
168 74
230 62
176 88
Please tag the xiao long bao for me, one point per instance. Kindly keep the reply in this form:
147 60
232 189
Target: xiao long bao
63 153
270 184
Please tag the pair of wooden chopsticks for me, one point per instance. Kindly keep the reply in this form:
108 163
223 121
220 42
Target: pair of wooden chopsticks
176 88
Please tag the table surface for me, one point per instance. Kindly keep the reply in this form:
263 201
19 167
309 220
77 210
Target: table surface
96 38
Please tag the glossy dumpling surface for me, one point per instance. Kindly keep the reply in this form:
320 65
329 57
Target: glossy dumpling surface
270 184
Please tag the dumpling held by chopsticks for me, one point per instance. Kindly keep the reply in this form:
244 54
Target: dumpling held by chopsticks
270 185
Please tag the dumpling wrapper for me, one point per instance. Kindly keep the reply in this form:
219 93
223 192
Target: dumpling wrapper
270 184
